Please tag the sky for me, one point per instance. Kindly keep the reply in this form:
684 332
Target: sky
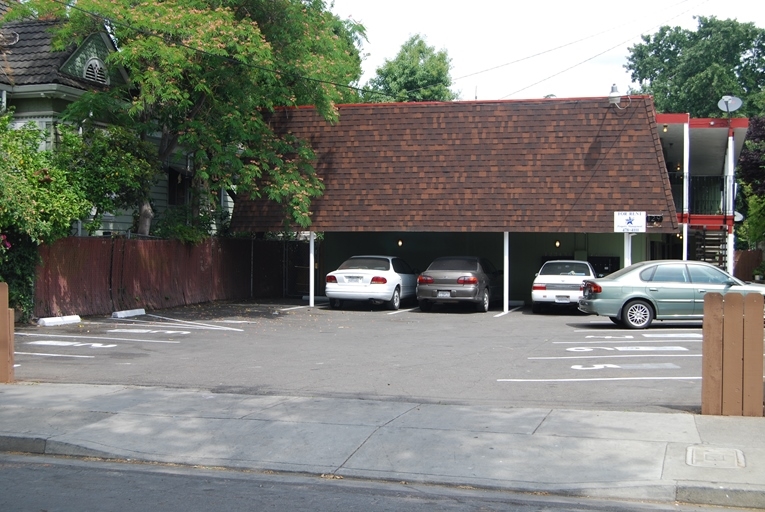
504 49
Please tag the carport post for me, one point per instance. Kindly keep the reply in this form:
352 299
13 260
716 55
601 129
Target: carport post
628 249
506 273
311 270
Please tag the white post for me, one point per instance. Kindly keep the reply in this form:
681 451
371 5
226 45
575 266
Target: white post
311 270
627 250
506 273
730 184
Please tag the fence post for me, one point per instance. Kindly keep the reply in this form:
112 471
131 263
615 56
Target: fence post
732 350
6 337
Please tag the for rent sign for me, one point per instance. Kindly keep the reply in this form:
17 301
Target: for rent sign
629 222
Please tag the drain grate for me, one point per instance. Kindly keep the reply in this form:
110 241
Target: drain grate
709 457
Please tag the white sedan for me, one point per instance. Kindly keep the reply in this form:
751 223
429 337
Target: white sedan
560 282
379 279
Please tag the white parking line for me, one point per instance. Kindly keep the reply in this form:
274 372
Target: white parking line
510 311
622 355
51 355
624 341
599 379
95 338
403 311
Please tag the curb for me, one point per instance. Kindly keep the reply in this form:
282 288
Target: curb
58 320
128 313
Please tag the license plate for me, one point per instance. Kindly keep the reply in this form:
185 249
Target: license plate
562 299
354 279
444 294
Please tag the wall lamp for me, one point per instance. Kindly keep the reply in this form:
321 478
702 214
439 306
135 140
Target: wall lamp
666 128
557 243
400 242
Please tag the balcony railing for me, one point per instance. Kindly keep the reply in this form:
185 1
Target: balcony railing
706 193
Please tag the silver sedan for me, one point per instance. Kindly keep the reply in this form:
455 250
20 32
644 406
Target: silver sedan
637 295
455 279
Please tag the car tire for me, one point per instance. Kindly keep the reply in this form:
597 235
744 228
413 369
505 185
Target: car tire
426 305
483 306
536 308
637 314
335 303
395 301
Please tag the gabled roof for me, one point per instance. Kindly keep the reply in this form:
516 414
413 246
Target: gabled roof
27 57
552 165
29 60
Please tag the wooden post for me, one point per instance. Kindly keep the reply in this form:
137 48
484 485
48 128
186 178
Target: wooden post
732 355
6 337
712 355
752 400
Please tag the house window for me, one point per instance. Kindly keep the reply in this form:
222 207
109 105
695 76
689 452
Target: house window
95 71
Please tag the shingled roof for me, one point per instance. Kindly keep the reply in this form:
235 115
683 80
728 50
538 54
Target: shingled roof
28 59
552 165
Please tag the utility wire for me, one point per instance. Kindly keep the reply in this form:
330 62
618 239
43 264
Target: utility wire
596 55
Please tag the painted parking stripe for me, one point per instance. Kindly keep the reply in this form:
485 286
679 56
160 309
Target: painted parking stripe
628 349
612 357
97 338
624 341
59 343
641 366
403 311
51 355
148 331
599 379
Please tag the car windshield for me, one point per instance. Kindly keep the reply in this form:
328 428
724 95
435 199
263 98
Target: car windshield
365 263
469 264
565 268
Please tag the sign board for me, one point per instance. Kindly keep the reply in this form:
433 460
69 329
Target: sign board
629 222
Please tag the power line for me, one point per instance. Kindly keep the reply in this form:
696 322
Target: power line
601 53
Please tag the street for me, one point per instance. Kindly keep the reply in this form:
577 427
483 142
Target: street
31 484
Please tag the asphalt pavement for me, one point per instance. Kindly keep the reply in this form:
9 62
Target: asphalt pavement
642 456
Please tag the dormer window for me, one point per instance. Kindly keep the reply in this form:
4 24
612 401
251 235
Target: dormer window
95 71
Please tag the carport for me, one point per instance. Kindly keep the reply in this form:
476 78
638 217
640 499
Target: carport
530 167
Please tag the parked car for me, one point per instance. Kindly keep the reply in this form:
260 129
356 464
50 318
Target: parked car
379 279
455 279
560 283
658 290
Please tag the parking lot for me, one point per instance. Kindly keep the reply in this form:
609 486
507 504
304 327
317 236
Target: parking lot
450 355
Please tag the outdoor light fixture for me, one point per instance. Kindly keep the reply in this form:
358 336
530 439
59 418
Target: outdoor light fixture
400 242
557 243
614 98
665 128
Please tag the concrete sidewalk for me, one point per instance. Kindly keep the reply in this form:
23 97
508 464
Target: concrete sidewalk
622 455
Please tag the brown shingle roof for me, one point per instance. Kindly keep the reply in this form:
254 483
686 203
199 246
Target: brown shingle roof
28 58
550 165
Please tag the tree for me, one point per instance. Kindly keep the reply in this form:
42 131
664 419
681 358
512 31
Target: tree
115 171
418 73
206 75
751 176
38 203
689 71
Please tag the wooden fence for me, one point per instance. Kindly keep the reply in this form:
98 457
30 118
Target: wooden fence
96 276
732 350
